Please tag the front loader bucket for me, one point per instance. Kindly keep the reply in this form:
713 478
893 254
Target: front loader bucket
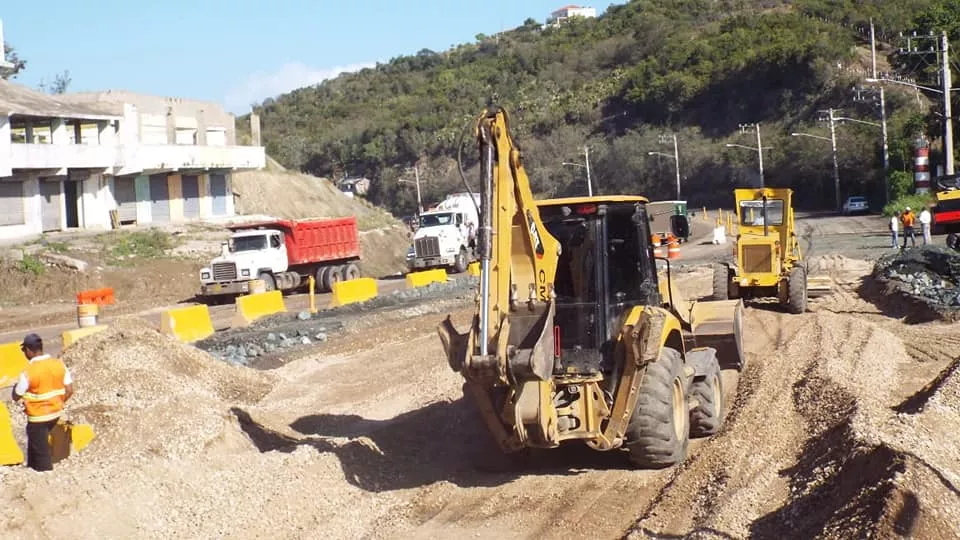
818 286
718 324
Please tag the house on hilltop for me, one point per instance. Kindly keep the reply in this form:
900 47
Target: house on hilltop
68 161
563 14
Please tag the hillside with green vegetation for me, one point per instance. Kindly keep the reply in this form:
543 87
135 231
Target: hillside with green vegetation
696 68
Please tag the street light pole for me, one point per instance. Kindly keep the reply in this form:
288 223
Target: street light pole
416 172
664 139
759 149
760 154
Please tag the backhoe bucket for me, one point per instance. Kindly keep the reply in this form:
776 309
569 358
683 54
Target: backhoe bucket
718 324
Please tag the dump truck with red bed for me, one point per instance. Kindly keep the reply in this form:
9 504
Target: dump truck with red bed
284 254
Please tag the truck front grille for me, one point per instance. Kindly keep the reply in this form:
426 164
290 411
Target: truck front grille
224 271
428 246
757 259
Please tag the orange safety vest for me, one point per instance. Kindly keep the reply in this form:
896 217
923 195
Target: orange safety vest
908 219
43 399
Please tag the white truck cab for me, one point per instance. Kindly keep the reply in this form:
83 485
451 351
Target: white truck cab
447 235
246 256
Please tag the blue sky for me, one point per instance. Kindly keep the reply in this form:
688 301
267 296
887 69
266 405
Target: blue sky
238 52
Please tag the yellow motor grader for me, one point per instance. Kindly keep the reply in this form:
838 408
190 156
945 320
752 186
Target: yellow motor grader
769 262
578 336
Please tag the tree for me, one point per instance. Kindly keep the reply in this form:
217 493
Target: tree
59 85
12 58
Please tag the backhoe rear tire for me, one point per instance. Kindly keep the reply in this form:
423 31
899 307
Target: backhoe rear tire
659 430
797 290
721 282
707 417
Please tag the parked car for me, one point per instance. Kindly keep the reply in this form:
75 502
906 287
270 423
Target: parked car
855 205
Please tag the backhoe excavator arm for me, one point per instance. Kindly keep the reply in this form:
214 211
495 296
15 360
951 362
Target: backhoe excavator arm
510 345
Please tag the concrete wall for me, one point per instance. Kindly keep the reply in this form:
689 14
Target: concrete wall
96 202
206 203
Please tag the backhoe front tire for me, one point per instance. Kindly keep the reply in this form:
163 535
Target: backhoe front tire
707 417
721 282
658 432
797 290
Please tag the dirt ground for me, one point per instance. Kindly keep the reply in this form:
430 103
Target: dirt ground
843 426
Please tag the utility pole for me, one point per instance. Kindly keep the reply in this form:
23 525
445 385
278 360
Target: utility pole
586 157
416 172
947 108
858 96
665 139
836 164
759 149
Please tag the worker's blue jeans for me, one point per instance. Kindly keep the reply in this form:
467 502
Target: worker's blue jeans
896 238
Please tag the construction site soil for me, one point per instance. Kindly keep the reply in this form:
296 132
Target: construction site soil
844 426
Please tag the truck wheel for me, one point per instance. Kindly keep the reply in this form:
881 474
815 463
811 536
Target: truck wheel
319 280
721 282
460 265
797 290
269 284
706 418
952 241
659 430
334 274
351 271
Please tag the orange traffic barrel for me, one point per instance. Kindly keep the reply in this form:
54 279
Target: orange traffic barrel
673 249
657 250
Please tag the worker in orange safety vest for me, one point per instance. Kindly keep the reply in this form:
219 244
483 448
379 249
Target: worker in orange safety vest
45 386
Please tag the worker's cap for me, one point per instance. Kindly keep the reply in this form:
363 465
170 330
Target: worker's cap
32 341
907 209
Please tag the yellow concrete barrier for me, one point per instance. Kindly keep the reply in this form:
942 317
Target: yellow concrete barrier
419 279
255 306
10 452
353 291
72 336
12 363
187 324
473 269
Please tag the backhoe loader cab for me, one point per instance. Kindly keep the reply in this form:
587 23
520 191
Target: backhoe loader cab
768 259
576 337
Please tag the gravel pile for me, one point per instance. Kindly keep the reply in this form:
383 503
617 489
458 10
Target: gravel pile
146 393
289 332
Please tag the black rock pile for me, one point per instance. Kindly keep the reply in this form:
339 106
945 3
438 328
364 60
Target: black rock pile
929 274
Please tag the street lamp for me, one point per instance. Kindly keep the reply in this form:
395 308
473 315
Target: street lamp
758 149
416 172
675 157
586 156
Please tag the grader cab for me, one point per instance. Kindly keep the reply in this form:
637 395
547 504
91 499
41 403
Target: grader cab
768 262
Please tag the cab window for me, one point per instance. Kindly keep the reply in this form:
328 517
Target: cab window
275 242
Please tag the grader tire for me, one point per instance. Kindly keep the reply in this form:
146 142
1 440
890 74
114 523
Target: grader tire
797 290
658 432
721 282
707 417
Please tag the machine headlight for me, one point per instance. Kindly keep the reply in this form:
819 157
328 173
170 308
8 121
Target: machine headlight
245 272
204 275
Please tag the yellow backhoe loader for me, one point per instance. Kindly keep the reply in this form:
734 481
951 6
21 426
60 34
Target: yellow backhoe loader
577 335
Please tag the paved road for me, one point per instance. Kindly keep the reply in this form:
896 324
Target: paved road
220 315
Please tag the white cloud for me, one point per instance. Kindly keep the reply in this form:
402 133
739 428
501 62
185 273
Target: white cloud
260 86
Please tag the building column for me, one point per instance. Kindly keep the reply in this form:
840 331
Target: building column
206 204
5 147
175 194
228 177
58 132
142 186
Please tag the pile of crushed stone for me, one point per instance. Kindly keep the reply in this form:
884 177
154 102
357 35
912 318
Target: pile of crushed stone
920 283
146 393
